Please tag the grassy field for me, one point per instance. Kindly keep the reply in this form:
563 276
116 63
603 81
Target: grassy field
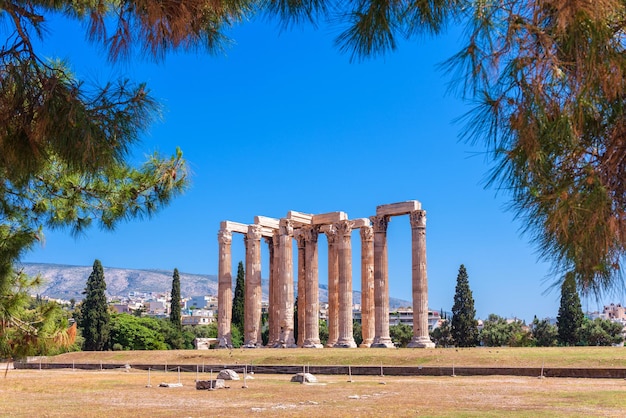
125 393
486 357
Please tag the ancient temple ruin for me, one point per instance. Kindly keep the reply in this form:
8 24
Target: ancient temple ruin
304 229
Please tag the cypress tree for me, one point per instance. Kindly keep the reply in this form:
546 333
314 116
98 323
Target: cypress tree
94 319
570 317
464 324
239 299
175 302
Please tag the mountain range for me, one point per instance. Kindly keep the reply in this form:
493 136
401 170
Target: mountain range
68 282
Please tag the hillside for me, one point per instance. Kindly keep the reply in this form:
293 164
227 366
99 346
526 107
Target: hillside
67 282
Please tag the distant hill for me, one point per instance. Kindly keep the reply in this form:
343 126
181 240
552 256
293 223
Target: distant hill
67 282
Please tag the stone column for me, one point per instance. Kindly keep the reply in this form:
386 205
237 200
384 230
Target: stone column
344 258
224 289
302 300
252 305
272 310
367 285
285 279
420 339
312 333
333 285
381 284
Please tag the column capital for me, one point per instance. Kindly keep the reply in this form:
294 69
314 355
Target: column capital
254 232
298 235
418 219
310 234
224 236
285 227
367 233
379 223
344 228
331 233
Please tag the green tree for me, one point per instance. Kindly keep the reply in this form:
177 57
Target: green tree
464 326
570 317
94 319
65 145
129 332
357 332
175 317
544 333
600 332
239 299
498 331
323 330
401 334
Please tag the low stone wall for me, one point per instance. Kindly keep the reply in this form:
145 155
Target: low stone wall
593 373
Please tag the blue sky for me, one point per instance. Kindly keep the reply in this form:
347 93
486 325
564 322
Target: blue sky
284 121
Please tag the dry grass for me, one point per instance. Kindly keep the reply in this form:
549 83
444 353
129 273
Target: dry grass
119 393
592 357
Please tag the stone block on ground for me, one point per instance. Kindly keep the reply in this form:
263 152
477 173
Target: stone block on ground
210 384
228 374
304 378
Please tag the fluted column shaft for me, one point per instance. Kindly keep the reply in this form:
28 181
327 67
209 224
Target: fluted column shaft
333 285
285 278
224 289
420 339
252 304
312 335
273 325
381 283
344 258
367 285
302 299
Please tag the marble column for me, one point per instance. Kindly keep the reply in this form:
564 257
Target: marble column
381 284
312 333
224 289
272 311
333 285
344 261
367 285
252 304
285 280
420 339
302 300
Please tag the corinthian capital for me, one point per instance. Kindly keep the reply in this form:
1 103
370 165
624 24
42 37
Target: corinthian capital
298 235
344 227
254 232
367 233
331 233
418 219
380 223
224 237
310 234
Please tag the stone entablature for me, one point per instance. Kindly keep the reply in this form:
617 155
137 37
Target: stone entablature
305 229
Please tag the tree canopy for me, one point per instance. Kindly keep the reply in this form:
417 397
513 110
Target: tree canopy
464 326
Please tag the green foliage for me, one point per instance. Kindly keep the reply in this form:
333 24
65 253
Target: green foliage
600 332
94 320
544 333
498 332
442 335
239 299
129 332
464 326
175 317
570 317
236 336
401 334
323 330
357 332
549 94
